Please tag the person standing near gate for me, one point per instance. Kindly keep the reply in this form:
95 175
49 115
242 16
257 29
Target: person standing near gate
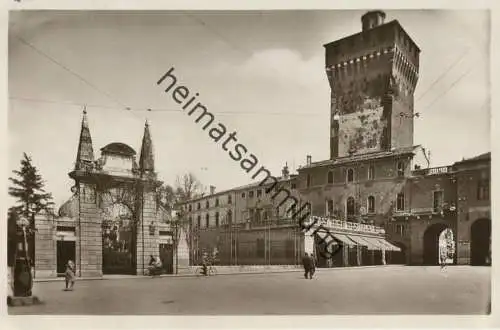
70 275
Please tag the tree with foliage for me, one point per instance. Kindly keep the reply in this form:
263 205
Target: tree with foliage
28 188
187 187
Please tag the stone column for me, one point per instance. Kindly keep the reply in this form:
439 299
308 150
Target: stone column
45 257
383 257
147 230
89 231
345 255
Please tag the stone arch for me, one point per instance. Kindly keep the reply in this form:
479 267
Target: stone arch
431 243
480 242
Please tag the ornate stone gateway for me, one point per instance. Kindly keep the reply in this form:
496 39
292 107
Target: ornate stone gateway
114 208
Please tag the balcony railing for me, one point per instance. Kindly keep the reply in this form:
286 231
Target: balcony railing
433 170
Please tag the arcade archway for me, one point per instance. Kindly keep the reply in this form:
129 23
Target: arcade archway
480 242
433 235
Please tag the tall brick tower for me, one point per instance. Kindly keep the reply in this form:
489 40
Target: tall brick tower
372 76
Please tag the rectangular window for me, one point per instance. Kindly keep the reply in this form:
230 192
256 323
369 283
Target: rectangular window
190 208
309 179
229 199
250 194
199 221
260 248
371 172
400 203
438 199
217 219
371 204
483 189
259 193
216 202
329 207
242 195
401 169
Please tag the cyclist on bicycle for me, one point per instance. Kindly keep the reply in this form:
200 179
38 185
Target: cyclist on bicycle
204 263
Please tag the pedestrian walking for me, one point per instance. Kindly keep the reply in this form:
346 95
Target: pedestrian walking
308 264
442 260
70 275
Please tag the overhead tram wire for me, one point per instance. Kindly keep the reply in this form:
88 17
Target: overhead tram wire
449 88
73 73
76 104
441 76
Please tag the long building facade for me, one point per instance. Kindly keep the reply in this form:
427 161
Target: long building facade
375 181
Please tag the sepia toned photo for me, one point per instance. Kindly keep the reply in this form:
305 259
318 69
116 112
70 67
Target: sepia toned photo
277 162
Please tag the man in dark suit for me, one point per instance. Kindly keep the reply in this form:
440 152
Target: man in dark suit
309 266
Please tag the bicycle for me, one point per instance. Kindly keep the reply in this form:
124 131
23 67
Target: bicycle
211 271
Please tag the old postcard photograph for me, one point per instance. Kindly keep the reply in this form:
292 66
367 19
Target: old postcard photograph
249 162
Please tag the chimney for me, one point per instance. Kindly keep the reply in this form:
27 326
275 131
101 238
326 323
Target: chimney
212 190
372 19
308 162
285 171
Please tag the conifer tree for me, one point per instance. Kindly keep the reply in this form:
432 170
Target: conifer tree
28 188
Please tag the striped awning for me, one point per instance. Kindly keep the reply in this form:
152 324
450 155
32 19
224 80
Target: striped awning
345 239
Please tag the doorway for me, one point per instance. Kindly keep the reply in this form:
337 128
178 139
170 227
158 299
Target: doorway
432 247
167 257
66 250
480 235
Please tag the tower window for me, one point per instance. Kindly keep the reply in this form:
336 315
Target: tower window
350 175
371 204
330 177
400 202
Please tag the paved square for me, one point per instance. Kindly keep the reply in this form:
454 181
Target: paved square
379 290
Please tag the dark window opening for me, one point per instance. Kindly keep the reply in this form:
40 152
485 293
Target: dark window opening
371 172
401 169
65 228
207 221
329 207
438 200
199 221
350 175
400 203
371 204
350 206
216 202
308 183
229 199
483 189
250 194
260 248
330 177
199 206
259 193
217 219
207 204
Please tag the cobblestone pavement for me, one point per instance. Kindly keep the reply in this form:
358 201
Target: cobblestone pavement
383 290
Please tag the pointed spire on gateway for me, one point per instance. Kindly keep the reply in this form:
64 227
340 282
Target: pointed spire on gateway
85 152
146 161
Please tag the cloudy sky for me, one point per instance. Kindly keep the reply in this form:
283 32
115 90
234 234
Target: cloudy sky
262 73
